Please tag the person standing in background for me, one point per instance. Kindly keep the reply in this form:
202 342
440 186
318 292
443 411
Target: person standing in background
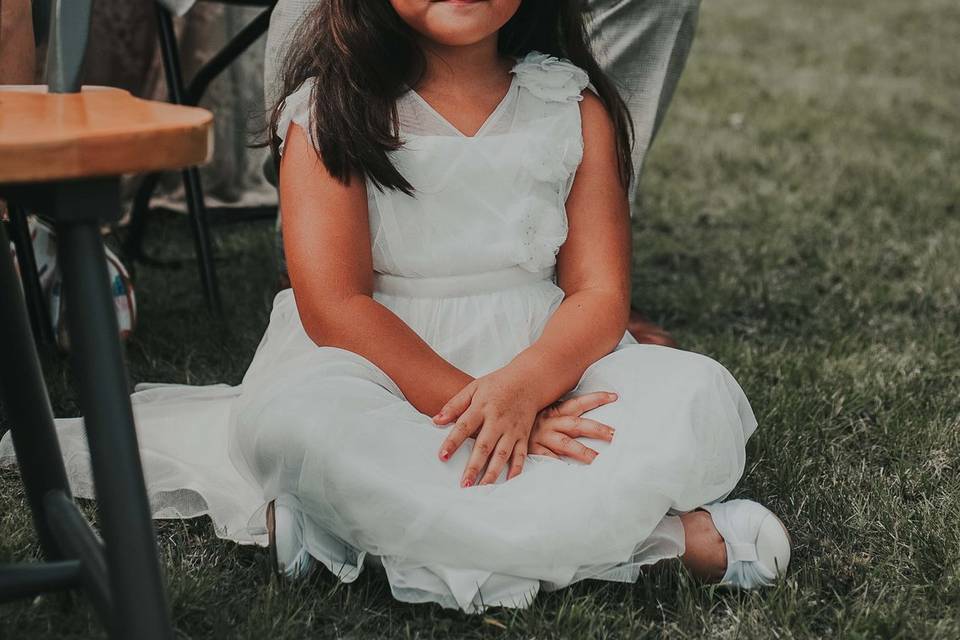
642 45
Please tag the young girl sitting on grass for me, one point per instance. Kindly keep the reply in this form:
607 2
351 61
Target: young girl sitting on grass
448 390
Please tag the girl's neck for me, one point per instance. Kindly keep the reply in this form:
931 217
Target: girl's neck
463 69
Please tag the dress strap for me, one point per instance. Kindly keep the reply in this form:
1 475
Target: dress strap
296 108
551 78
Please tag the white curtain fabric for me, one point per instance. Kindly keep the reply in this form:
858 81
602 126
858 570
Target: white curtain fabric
234 177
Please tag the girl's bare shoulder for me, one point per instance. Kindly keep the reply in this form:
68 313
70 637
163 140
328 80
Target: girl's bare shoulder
599 130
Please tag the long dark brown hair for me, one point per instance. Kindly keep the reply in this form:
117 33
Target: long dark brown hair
364 57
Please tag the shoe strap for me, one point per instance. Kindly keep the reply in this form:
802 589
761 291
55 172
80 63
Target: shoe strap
738 552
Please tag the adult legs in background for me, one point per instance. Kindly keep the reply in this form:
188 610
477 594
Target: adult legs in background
284 20
643 45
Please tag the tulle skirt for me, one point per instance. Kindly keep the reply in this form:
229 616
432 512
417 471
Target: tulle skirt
328 433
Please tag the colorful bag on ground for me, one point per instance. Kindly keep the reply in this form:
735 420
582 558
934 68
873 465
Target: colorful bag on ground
44 242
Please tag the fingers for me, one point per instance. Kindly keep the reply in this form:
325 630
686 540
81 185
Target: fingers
540 450
467 425
501 456
482 450
581 404
455 406
516 463
563 445
581 428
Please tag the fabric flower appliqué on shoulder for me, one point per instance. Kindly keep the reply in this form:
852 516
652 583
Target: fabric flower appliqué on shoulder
551 78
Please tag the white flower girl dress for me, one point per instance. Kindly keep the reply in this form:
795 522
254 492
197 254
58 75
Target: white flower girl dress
468 263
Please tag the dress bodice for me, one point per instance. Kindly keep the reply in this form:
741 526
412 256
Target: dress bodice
481 203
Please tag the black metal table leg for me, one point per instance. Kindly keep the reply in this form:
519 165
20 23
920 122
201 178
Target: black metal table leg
30 276
23 393
136 588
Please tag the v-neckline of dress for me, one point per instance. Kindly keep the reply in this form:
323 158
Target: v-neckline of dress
486 123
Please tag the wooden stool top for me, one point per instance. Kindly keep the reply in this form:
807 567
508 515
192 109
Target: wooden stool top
99 132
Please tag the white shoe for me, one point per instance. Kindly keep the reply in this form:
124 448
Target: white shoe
758 545
288 556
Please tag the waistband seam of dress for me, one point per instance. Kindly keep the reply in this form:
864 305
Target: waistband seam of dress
462 285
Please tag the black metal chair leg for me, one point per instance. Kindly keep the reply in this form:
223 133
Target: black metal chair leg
230 52
190 94
139 219
201 239
135 583
30 277
23 393
170 52
29 580
77 539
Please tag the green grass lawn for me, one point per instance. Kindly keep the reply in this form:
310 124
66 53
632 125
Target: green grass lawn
802 225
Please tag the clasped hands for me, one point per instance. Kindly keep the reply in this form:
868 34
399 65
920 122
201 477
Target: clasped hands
502 413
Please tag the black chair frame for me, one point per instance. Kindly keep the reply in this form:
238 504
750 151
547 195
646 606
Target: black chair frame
191 94
120 573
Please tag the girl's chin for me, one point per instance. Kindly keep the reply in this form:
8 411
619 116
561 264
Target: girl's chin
456 22
456 31
461 10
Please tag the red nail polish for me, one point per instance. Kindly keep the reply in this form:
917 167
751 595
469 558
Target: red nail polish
444 455
467 482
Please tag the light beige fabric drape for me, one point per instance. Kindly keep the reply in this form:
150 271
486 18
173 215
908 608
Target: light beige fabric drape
124 52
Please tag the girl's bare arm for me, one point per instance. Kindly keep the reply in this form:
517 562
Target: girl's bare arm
326 237
593 267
